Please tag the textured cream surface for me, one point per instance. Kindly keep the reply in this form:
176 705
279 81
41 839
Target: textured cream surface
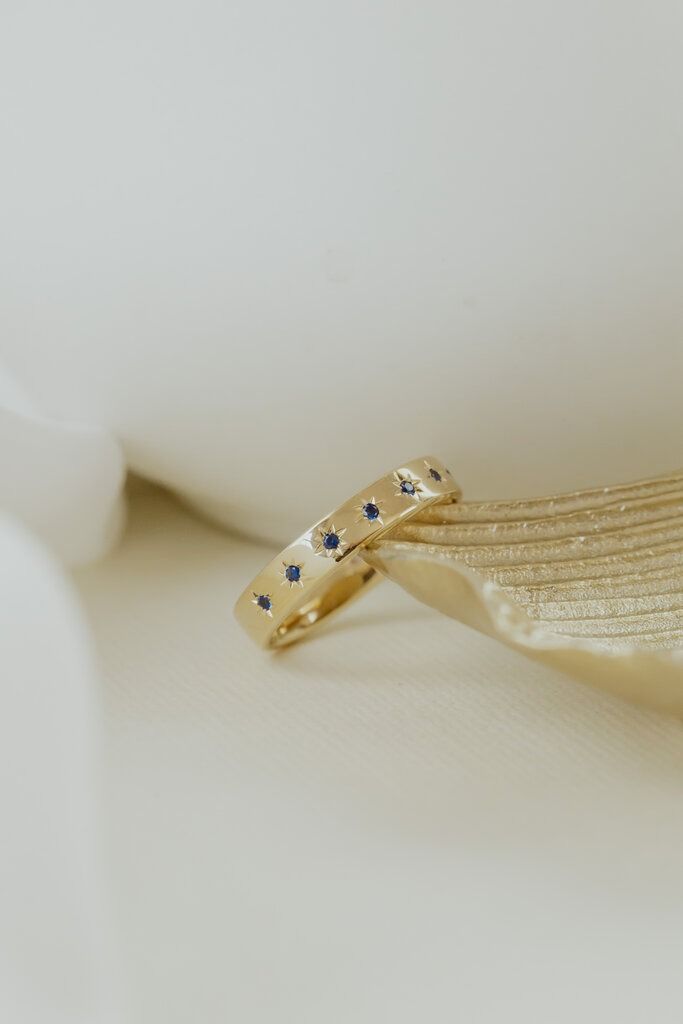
592 581
399 820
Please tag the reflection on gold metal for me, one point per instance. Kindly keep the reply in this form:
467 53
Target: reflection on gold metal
590 582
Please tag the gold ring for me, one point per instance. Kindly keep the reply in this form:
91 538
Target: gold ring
321 571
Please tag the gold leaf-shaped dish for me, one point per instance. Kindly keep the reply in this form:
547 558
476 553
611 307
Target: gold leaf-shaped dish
590 582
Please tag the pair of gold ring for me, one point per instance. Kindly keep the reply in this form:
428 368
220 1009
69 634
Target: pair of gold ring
322 570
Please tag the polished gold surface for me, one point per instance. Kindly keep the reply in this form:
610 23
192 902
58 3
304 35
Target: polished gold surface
591 582
322 570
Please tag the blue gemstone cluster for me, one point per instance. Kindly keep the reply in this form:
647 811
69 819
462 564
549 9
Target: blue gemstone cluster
370 511
435 475
264 602
293 573
331 541
407 487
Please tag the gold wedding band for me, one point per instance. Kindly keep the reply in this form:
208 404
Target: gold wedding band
321 571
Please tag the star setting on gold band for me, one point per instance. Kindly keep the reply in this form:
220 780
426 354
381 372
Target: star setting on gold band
292 574
264 602
434 473
370 512
330 541
407 485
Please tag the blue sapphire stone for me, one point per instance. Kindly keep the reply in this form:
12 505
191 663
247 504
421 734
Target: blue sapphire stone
370 511
330 541
435 475
407 487
293 573
263 601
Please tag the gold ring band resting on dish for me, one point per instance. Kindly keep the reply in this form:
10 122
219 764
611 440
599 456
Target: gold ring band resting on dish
320 571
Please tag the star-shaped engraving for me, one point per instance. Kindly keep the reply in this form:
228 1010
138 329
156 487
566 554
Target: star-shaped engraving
264 602
370 512
292 574
330 541
407 486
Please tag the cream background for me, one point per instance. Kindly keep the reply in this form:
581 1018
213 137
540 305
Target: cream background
404 821
258 253
268 247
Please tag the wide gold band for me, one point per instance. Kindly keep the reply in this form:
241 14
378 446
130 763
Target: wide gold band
320 571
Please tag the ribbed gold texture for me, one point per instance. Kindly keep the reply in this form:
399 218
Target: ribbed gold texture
590 582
